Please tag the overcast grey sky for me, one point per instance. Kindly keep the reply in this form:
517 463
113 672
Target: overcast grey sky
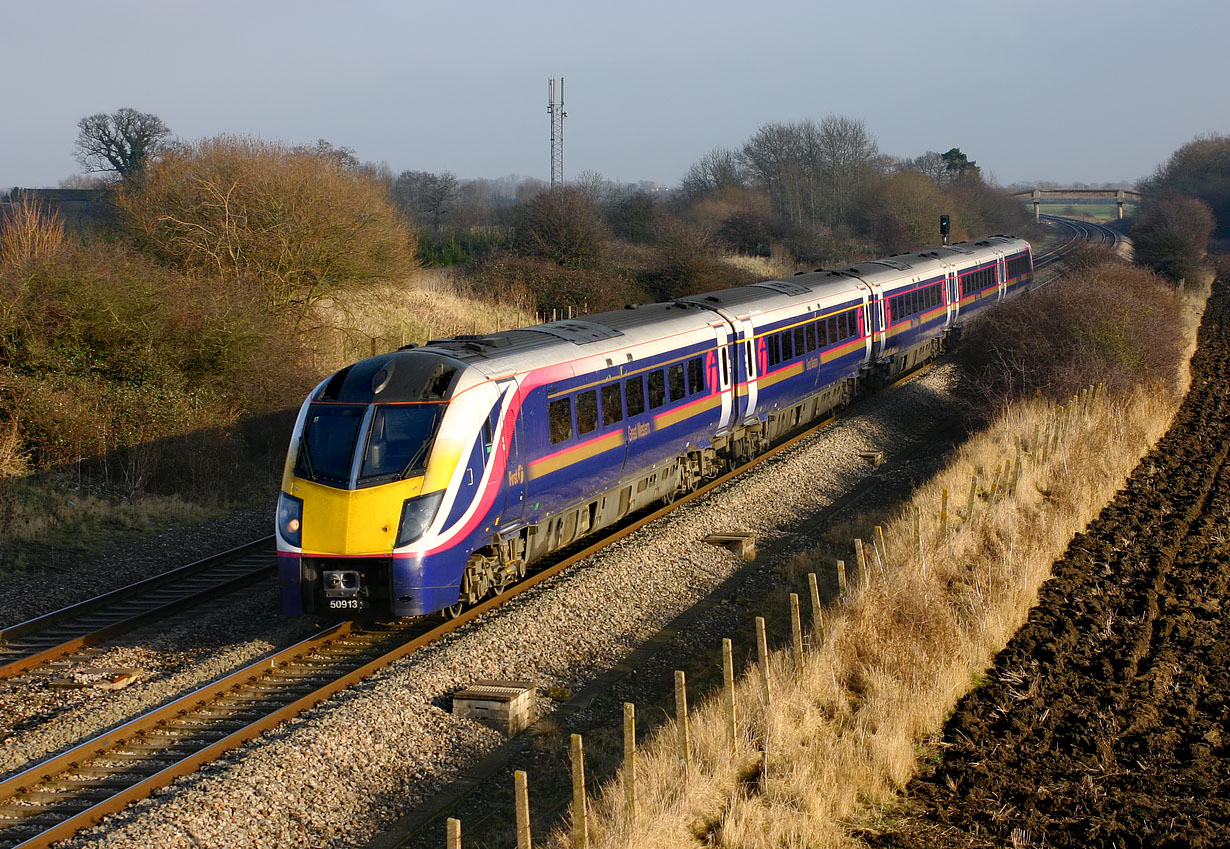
1062 90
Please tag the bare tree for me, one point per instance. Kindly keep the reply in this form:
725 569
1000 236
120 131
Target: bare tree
123 141
845 157
813 173
930 164
595 187
717 169
343 157
426 195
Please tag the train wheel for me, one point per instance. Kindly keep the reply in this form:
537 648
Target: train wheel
502 581
452 612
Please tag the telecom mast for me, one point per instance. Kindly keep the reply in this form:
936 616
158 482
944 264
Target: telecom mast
555 111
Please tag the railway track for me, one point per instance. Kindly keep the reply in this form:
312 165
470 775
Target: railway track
77 788
26 646
1074 232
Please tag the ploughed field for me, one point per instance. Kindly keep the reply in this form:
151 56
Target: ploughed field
1105 720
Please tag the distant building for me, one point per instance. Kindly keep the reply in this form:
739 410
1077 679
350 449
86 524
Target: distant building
80 208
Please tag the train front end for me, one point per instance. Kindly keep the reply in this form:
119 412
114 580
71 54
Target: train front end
384 454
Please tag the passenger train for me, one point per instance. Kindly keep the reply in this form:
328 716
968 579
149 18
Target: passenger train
424 479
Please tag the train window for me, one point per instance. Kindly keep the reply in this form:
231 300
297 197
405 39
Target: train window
488 436
696 376
587 411
634 391
559 418
774 350
725 366
657 389
811 336
832 330
787 345
674 378
798 341
612 404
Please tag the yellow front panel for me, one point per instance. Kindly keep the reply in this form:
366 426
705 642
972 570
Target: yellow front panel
361 521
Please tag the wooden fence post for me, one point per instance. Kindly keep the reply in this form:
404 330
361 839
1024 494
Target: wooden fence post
918 533
841 579
452 833
681 721
943 513
522 794
580 812
813 587
630 795
881 547
796 632
762 654
973 493
860 563
728 691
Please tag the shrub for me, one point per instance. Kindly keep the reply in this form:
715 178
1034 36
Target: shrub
687 265
297 224
512 278
1171 234
561 226
1113 324
1199 169
634 218
746 233
102 351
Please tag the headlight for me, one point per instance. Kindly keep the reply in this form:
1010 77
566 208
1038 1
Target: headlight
416 515
290 519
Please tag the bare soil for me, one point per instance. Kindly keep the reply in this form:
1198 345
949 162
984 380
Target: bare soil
1104 722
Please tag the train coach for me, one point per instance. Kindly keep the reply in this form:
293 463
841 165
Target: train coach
427 478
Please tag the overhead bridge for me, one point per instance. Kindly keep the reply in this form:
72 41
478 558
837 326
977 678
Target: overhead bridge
1037 196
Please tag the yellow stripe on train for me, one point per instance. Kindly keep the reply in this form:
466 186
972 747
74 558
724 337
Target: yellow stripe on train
562 459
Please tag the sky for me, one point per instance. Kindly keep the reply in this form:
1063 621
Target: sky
1062 90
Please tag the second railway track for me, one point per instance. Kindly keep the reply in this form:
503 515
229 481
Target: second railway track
28 645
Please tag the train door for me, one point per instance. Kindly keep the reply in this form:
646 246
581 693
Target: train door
952 294
747 364
1001 277
878 329
724 372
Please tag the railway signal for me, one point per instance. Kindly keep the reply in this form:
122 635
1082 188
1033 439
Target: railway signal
945 226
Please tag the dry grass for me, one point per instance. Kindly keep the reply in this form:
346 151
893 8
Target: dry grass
765 268
29 231
382 317
917 632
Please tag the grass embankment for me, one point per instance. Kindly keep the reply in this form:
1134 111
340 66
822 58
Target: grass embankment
845 729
